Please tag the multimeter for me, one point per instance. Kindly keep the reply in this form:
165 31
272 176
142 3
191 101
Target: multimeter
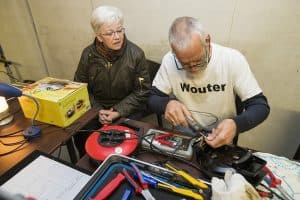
168 143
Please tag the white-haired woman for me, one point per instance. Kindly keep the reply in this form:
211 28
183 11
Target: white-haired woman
115 70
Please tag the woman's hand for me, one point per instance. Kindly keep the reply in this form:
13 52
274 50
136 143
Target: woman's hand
108 116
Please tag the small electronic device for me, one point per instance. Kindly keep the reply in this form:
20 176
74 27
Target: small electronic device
215 162
168 143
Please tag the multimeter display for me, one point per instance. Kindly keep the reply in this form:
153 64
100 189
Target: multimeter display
168 143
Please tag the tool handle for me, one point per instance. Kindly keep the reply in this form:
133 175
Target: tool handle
187 177
137 188
152 182
126 194
274 181
184 192
139 175
109 188
192 180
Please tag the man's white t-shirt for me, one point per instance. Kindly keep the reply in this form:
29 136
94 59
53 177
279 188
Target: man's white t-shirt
209 92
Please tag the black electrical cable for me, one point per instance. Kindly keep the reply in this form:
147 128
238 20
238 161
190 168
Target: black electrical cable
10 76
12 134
12 143
74 128
216 119
14 150
59 152
274 193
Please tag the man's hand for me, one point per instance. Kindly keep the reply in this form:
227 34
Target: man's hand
107 116
223 134
176 113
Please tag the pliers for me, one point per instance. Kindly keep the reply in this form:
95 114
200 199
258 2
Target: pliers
196 183
274 182
141 188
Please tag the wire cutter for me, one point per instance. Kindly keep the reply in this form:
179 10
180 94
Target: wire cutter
158 183
274 182
186 176
143 187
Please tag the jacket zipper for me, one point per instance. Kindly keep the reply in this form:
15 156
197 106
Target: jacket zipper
108 66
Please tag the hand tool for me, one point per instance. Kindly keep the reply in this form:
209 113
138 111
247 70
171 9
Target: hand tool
143 187
157 183
186 176
265 194
182 191
126 194
274 182
109 188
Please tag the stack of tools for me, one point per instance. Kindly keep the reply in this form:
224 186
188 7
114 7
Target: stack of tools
134 179
274 182
199 191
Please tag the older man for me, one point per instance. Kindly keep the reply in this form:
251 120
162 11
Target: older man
200 80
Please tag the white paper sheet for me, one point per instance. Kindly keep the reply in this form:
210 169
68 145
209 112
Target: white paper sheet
45 179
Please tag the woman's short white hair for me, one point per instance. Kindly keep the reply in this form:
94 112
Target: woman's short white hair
182 30
105 15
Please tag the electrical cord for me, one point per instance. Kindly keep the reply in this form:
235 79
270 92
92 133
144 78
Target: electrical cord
11 134
12 143
271 191
216 119
74 127
14 150
59 151
10 76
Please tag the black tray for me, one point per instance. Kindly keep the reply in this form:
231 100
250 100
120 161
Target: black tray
113 165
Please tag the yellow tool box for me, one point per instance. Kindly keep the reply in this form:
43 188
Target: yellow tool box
61 102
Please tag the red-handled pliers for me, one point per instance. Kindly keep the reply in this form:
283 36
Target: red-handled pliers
141 188
274 182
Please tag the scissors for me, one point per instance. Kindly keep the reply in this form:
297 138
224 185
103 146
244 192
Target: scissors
141 188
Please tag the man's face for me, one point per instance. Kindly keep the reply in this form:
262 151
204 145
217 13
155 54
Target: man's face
195 57
112 35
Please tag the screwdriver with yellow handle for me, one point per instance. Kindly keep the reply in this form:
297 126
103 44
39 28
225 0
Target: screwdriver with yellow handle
184 192
189 178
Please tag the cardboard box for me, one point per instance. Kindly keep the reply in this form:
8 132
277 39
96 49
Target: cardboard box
61 102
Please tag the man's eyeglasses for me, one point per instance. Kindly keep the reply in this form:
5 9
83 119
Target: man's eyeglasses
200 64
112 33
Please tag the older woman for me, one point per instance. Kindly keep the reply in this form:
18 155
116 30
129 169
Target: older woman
115 70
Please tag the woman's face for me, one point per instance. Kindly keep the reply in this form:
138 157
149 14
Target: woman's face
112 35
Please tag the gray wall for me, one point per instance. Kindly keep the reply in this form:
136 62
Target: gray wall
47 37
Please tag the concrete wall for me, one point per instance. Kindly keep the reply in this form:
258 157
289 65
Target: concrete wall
47 37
